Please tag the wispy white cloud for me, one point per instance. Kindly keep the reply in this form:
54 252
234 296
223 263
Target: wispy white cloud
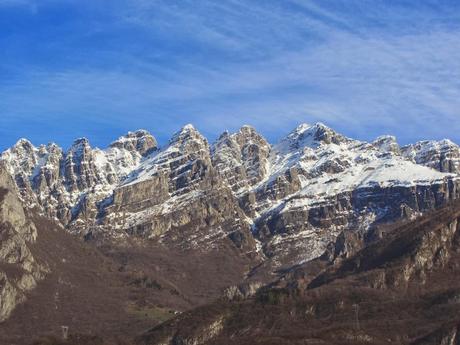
15 2
364 69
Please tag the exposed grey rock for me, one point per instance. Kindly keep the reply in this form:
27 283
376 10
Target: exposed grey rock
441 155
178 197
242 291
139 141
63 182
387 143
241 158
408 257
19 272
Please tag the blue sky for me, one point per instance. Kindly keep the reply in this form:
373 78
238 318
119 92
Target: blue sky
100 68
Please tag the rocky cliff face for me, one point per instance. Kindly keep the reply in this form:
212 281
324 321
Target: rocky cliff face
387 143
241 158
68 185
289 200
441 155
177 197
19 271
403 256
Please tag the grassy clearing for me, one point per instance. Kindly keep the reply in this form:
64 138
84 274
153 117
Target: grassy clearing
158 314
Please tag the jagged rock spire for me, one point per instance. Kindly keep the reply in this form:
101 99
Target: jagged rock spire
140 141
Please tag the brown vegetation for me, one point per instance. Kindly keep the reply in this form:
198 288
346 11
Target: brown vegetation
344 305
114 292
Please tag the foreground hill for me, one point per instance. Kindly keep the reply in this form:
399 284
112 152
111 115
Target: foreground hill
402 289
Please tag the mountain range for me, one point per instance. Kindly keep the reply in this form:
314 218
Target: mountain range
177 227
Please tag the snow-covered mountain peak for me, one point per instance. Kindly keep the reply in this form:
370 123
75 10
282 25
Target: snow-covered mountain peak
311 136
300 129
23 156
79 148
49 149
185 147
139 133
140 141
448 142
307 128
223 135
189 139
249 133
23 142
298 133
443 155
425 146
186 131
49 146
247 129
241 158
79 143
433 144
188 127
79 152
386 143
322 133
385 137
21 150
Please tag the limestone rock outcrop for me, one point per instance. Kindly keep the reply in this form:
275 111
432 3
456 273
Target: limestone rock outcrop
241 158
19 271
177 197
62 182
443 155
